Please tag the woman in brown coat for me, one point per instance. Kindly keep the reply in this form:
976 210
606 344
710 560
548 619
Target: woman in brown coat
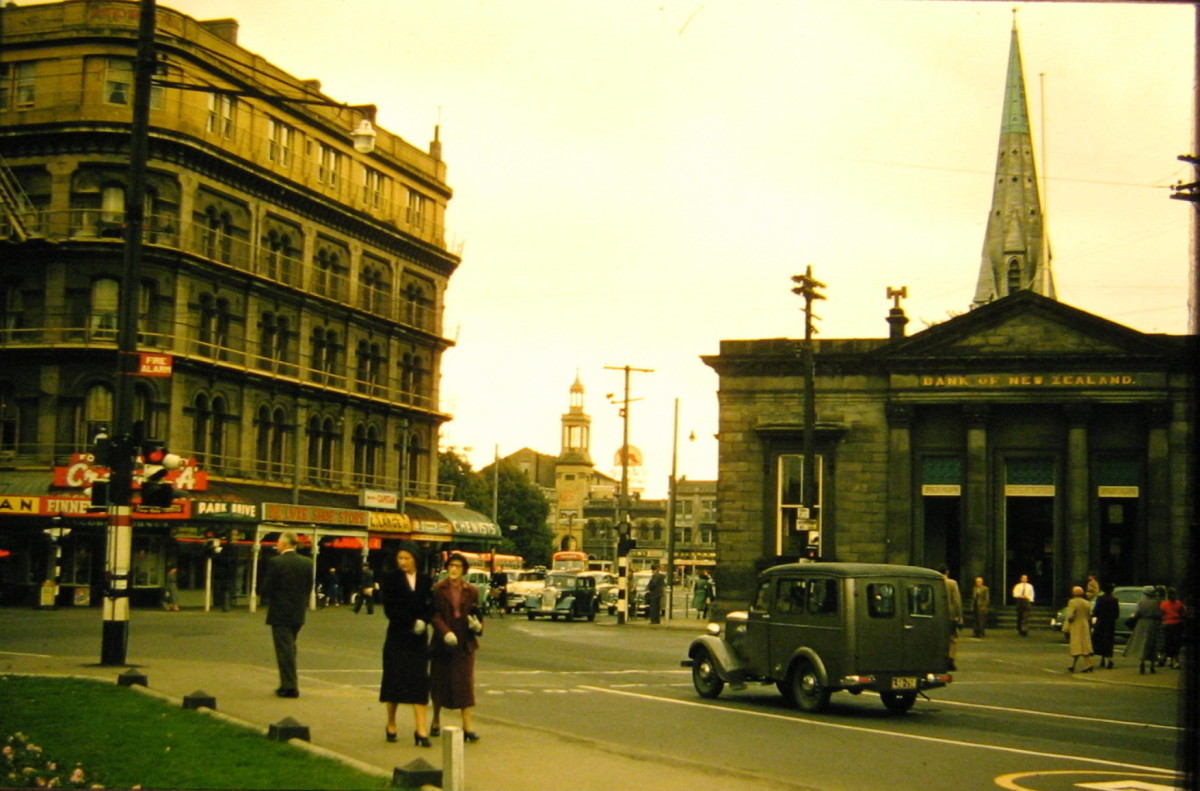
456 626
1079 626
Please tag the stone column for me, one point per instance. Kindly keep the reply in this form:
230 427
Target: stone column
901 529
1076 539
1154 555
983 546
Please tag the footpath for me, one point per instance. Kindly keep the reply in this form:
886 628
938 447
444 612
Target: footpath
512 756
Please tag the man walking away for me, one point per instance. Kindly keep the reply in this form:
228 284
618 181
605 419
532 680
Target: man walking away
366 591
654 594
954 609
981 601
286 589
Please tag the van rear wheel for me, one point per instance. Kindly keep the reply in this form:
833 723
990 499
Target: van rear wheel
705 679
807 690
898 702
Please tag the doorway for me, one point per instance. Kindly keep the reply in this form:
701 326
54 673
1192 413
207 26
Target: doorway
943 533
1029 545
1118 532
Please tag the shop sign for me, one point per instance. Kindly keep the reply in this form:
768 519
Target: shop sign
82 507
391 523
83 472
225 512
314 514
374 498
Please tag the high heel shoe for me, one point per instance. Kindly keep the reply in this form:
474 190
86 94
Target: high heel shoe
470 736
389 735
421 741
435 730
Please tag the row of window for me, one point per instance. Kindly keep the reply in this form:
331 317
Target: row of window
214 427
19 91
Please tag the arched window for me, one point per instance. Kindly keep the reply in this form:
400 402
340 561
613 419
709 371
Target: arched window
1014 275
208 430
322 448
215 321
105 303
272 433
368 449
97 415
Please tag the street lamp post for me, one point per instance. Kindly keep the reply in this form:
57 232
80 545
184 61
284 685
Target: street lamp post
806 287
622 510
125 443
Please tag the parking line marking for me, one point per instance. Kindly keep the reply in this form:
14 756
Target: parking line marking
1035 713
857 729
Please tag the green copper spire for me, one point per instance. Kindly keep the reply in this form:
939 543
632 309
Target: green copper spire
1015 251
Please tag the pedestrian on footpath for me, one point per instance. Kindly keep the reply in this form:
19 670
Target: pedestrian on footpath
366 590
1022 594
1077 625
981 601
654 594
954 608
1105 611
1143 642
407 596
1173 613
457 624
286 588
170 600
702 596
1093 587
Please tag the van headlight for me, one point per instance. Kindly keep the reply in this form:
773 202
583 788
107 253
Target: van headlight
714 629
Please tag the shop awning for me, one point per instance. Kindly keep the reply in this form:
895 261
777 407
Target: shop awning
464 523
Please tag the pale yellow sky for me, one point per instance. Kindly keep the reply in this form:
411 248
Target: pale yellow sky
636 181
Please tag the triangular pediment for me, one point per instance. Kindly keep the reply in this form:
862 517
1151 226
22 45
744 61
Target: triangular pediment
1027 325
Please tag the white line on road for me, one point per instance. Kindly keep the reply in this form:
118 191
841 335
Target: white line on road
858 729
1035 713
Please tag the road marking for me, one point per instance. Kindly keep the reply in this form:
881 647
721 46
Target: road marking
20 653
1126 783
858 729
1035 713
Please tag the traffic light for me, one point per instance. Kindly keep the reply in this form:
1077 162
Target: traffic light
156 462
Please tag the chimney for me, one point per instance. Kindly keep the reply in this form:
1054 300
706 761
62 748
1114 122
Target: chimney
435 145
896 318
224 29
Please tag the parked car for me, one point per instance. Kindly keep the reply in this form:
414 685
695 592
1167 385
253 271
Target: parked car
607 590
567 594
816 628
521 584
1127 598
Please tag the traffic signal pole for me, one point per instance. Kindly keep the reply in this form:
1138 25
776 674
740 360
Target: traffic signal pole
806 288
115 636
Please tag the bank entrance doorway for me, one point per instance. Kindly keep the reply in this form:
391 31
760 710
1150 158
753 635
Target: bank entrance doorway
1029 545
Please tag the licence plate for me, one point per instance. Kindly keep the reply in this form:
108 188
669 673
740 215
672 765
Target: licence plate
904 682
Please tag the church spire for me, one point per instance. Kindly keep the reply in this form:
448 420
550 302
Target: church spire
1016 256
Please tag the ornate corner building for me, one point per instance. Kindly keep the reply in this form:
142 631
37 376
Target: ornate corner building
1022 437
291 286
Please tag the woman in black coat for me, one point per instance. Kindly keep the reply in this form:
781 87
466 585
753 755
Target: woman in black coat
408 603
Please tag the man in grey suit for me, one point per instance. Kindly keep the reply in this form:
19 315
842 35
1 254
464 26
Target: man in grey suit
286 588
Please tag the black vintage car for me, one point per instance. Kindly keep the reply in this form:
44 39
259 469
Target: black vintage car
568 594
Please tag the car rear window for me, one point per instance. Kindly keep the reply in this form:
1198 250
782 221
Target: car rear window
881 599
920 600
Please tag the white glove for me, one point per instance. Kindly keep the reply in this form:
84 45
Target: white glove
474 624
451 639
418 626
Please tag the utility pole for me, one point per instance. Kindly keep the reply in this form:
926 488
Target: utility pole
672 504
622 510
115 636
806 287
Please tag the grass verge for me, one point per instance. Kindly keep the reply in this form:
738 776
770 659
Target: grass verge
122 739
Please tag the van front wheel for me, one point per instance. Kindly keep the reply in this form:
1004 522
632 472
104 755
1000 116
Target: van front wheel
807 690
898 702
705 679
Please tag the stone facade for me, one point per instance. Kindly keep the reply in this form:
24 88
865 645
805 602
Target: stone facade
1023 437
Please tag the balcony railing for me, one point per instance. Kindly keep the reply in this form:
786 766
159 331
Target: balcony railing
239 253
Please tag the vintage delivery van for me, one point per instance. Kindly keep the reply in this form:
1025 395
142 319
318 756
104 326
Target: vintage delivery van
815 628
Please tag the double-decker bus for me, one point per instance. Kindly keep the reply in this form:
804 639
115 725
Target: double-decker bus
490 561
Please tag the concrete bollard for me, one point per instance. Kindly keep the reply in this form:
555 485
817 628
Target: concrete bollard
131 677
199 699
453 770
288 728
416 774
